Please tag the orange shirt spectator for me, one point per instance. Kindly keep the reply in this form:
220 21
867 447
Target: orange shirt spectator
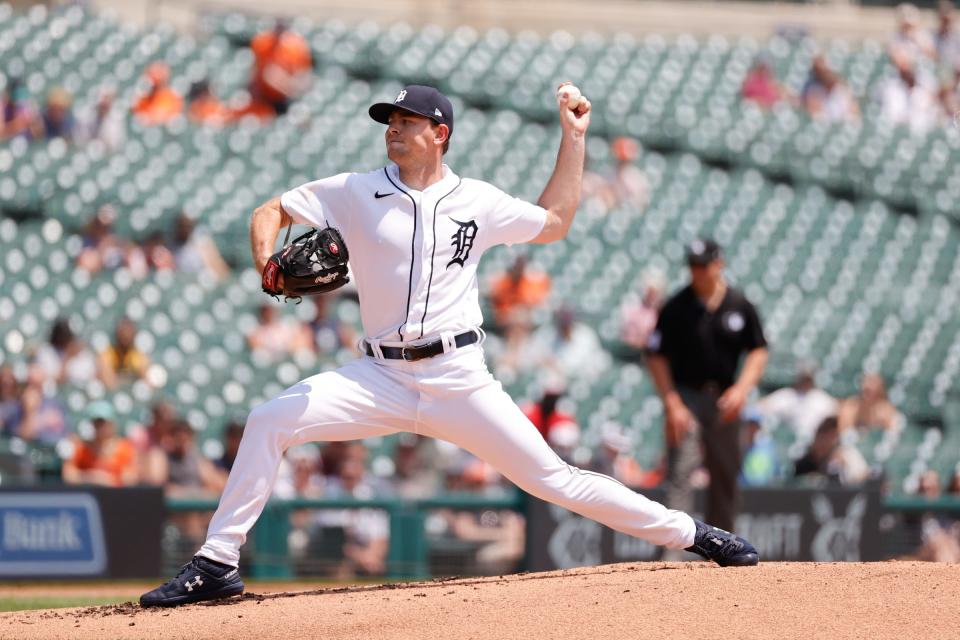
205 107
518 289
547 419
282 59
161 103
107 459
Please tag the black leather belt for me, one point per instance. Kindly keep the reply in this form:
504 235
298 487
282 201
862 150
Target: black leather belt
423 351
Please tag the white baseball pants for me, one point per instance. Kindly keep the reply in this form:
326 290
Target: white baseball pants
452 397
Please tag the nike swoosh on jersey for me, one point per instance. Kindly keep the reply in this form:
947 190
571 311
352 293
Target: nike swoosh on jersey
378 195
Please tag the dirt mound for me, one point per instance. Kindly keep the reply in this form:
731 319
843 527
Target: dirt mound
661 600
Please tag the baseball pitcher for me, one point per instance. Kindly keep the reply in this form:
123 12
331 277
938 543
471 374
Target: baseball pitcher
415 231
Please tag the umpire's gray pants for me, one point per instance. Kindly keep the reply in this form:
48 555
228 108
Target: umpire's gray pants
717 445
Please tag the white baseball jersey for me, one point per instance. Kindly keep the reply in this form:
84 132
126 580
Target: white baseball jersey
414 254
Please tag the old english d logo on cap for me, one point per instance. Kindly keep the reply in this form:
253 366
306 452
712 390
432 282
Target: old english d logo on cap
419 99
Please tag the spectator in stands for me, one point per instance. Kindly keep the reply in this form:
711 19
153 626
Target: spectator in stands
205 107
518 292
57 116
565 441
276 337
412 478
802 406
329 333
122 362
9 399
947 39
160 103
940 533
19 114
300 477
761 87
65 359
626 185
760 466
870 408
928 486
953 486
544 414
152 442
151 255
282 67
367 531
496 534
629 185
104 123
831 458
613 458
569 348
949 102
826 97
102 248
910 39
232 434
189 473
39 417
106 459
332 455
906 100
194 251
639 319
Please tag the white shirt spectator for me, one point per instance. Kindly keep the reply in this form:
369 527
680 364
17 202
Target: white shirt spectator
803 411
77 369
912 106
580 355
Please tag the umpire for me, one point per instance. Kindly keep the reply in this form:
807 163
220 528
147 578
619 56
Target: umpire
693 356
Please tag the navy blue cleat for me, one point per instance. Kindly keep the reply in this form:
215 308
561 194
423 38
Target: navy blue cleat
200 579
723 547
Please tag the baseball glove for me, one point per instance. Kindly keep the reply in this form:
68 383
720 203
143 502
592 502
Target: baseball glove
313 263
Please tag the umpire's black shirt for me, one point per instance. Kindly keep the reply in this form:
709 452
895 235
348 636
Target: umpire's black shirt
705 346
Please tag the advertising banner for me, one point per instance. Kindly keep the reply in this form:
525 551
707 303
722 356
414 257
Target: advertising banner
88 532
826 525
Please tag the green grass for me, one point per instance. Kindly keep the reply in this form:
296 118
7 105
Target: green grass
59 602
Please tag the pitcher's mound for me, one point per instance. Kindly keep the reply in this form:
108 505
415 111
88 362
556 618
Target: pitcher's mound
647 600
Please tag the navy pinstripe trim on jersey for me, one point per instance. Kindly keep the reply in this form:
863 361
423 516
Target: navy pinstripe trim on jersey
573 469
413 251
426 305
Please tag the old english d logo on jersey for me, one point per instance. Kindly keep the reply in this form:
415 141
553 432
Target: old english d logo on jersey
462 241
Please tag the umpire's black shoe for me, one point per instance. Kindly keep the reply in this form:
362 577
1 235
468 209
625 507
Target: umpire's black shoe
200 579
723 547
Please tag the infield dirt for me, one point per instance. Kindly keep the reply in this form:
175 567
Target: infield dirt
649 600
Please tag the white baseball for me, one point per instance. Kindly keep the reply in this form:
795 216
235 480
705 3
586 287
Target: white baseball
572 93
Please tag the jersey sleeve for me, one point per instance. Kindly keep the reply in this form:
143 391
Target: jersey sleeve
512 220
661 339
319 203
753 333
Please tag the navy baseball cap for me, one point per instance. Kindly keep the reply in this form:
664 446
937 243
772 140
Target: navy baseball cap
703 251
419 99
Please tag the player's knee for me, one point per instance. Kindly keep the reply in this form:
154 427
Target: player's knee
551 485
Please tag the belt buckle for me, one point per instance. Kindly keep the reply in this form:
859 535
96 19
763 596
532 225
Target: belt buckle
404 351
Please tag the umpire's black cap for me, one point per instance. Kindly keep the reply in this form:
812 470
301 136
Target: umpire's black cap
419 99
703 251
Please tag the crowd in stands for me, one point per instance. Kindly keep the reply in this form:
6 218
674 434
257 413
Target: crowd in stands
281 72
186 248
922 90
